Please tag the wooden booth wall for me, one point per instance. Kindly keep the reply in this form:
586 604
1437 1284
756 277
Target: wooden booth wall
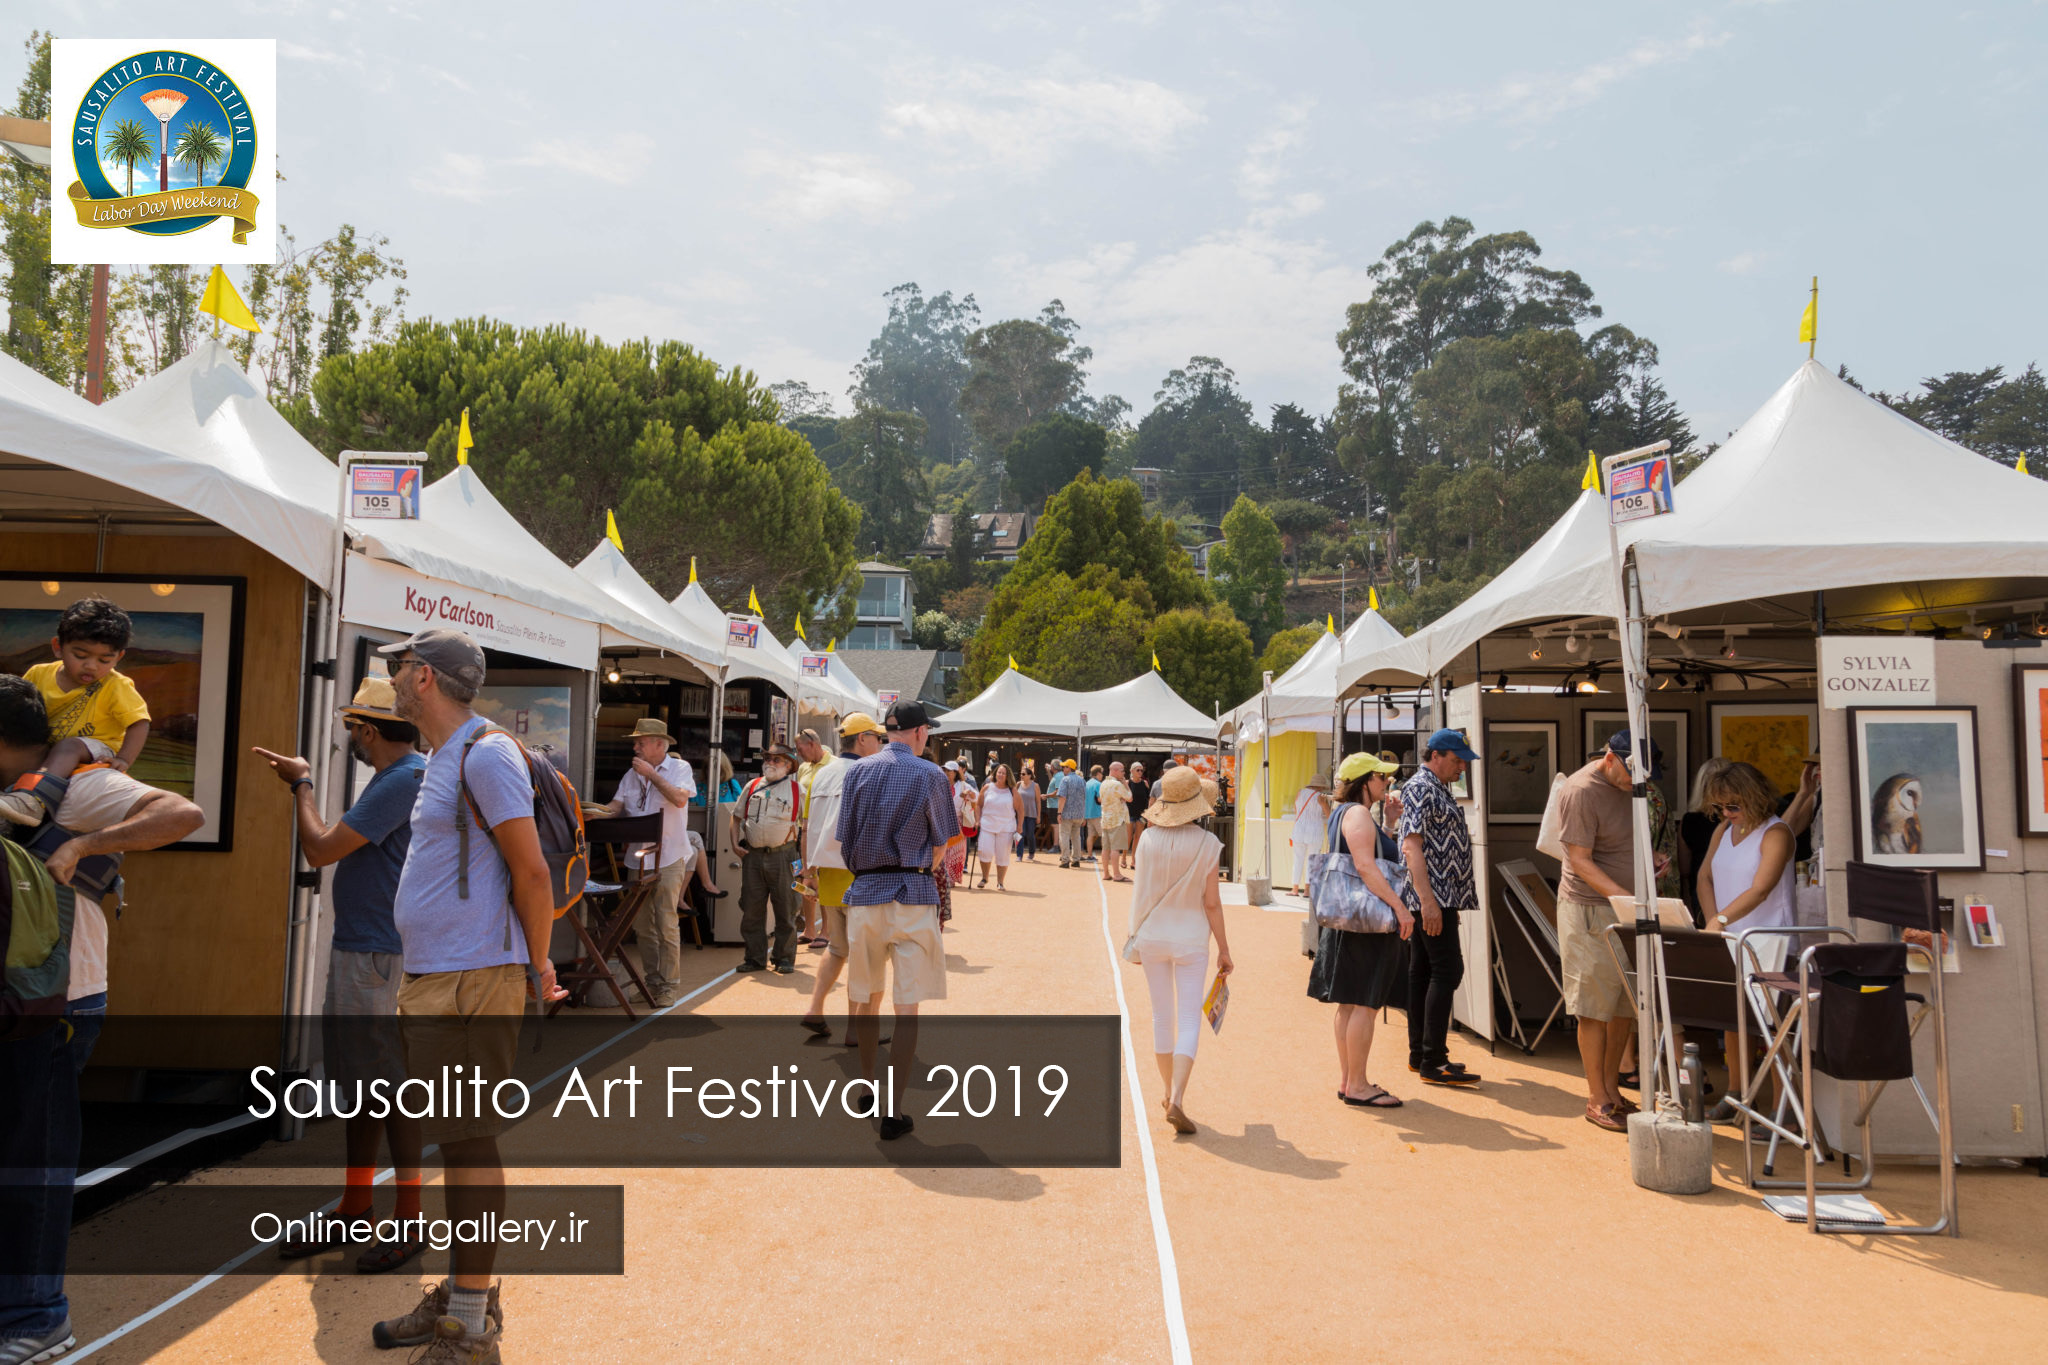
204 933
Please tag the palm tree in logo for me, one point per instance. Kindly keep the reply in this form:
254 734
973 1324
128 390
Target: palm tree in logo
129 144
199 147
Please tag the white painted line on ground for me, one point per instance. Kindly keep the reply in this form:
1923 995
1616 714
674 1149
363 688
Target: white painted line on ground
227 1268
1162 1237
157 1149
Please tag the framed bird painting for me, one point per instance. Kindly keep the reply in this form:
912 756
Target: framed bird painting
1913 779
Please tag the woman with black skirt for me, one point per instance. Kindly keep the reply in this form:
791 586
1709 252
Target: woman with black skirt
1358 973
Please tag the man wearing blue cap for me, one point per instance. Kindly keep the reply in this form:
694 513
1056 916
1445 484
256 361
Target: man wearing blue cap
1436 844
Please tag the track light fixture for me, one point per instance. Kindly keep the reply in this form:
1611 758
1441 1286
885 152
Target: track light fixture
1536 652
1571 643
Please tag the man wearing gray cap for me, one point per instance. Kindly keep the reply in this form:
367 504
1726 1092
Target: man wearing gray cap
474 909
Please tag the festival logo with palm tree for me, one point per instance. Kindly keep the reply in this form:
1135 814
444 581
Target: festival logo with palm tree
199 146
128 144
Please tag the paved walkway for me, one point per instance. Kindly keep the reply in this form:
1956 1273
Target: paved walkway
1466 1224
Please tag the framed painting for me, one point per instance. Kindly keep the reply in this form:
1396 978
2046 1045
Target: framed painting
1913 781
186 661
1772 737
2030 746
1669 729
1521 760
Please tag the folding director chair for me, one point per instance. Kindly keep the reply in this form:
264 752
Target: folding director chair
1699 975
603 929
1847 1007
1531 906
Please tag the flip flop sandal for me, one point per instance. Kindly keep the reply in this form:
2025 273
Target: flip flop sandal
387 1256
817 1028
1379 1099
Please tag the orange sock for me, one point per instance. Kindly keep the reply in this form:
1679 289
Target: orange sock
355 1198
408 1196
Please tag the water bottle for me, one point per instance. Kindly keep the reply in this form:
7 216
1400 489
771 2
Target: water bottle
1691 1088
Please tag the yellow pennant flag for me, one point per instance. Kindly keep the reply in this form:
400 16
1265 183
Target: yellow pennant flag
1329 623
221 300
611 532
1592 478
1809 321
1013 665
693 568
463 443
1155 661
829 648
1372 598
800 627
753 602
2022 465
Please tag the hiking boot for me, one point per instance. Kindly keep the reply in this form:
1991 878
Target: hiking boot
417 1327
751 966
1446 1075
454 1344
27 1350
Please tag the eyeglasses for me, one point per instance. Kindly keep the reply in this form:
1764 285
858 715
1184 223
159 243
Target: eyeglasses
1729 807
399 666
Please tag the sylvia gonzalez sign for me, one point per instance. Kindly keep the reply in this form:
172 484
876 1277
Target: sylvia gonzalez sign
1876 670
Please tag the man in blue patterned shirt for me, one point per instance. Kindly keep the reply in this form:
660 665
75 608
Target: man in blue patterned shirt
1436 845
895 817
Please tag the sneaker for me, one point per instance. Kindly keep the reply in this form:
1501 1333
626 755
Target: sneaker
454 1344
417 1327
751 967
27 1350
1416 1067
784 966
20 808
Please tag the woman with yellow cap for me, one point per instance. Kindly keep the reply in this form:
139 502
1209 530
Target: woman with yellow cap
1358 972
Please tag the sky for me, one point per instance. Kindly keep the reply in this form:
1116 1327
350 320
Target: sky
1190 179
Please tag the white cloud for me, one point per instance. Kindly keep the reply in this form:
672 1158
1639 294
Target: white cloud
625 159
1268 306
1532 99
456 175
1743 263
828 184
1265 159
1030 121
449 78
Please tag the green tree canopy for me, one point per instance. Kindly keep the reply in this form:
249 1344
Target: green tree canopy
1020 372
1255 580
1102 522
1078 633
918 364
1202 430
1298 519
566 426
874 462
1982 409
1287 646
1047 455
1205 654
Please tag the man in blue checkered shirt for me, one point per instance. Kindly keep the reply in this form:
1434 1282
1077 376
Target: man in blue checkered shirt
895 818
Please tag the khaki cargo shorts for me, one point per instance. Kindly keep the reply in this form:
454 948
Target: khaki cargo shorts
469 1019
1593 988
892 932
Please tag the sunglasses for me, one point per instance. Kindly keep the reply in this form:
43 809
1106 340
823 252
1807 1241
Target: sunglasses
1729 807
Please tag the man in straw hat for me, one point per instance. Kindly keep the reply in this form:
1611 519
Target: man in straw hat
367 849
660 782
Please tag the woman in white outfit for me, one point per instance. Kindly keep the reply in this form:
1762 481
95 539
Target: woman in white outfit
1176 905
998 816
1311 827
1747 880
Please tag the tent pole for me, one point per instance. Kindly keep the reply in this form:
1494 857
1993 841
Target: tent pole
1266 770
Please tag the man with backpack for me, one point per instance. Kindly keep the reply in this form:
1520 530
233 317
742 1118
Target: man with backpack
475 908
50 1009
764 829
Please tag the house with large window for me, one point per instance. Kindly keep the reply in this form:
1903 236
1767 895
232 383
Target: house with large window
884 612
997 535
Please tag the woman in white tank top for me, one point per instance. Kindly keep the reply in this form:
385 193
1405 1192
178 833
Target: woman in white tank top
1747 882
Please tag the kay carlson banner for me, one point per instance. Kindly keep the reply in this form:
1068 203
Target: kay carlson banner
168 206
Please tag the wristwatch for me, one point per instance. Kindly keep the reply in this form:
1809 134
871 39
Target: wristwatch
1721 920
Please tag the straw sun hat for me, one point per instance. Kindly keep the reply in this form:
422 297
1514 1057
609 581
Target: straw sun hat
1182 797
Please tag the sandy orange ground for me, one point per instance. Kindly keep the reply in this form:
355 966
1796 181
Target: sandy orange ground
1465 1225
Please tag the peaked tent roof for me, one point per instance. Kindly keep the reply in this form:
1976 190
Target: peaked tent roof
613 574
197 437
1305 696
1823 487
1016 705
771 665
466 536
844 698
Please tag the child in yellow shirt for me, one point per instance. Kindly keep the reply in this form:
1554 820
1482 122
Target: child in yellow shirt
92 705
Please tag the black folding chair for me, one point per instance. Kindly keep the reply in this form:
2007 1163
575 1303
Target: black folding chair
1855 1021
602 929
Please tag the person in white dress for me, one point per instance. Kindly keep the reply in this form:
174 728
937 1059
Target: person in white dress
1311 827
1176 907
997 817
1746 884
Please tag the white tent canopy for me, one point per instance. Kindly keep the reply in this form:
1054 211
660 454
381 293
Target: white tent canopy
197 438
610 571
1305 696
1015 705
766 661
1823 488
853 694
